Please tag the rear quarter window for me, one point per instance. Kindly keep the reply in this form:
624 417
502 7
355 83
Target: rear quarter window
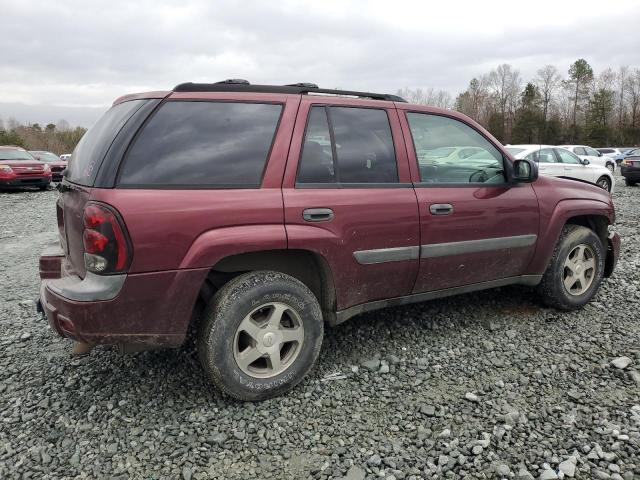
93 146
202 144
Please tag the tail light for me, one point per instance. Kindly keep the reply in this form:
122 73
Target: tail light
106 245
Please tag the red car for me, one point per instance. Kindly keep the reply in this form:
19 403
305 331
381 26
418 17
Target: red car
251 215
19 169
56 164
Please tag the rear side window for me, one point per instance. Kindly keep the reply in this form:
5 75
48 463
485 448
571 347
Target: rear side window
93 146
348 145
203 144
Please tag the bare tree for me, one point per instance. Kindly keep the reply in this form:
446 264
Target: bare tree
621 78
633 90
547 81
437 98
504 83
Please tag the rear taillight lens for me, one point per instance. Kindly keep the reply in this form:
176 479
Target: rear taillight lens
106 245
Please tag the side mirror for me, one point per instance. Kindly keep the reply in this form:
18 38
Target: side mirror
585 161
524 171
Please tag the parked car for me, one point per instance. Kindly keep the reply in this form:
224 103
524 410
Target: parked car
627 152
251 215
56 164
560 162
591 154
19 169
612 153
65 157
630 168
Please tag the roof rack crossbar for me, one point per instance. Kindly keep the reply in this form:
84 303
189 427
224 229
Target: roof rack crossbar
301 88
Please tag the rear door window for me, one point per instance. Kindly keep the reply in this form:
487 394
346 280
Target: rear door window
90 151
203 144
347 145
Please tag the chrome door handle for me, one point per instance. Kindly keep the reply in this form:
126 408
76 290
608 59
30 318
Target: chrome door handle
441 209
317 214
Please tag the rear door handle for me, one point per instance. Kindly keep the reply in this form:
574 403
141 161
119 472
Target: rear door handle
317 214
441 208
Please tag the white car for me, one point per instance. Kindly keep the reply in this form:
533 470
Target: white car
591 154
560 162
612 153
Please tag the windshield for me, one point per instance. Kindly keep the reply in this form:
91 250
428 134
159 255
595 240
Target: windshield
514 151
46 157
15 155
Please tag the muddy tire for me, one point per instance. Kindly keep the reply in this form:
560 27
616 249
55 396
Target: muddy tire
575 271
260 335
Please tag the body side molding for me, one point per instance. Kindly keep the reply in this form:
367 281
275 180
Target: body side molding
475 246
383 255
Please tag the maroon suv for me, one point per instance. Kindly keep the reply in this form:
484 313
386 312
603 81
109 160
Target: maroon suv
253 214
19 169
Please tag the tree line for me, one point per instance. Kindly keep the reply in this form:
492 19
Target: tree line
58 138
579 107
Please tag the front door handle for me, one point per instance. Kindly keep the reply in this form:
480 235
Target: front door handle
441 209
317 214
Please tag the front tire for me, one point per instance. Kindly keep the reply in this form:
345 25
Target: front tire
604 183
575 271
260 336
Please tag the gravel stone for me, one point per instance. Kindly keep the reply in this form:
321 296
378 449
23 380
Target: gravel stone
621 362
568 467
355 473
372 365
472 397
541 400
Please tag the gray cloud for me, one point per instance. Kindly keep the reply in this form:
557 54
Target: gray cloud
73 53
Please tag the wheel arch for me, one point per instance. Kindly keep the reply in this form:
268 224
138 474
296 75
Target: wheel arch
594 215
307 266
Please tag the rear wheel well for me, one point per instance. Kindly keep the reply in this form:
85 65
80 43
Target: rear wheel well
599 224
308 267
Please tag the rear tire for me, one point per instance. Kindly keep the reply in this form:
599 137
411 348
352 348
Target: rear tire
604 183
42 188
575 271
261 334
611 167
629 183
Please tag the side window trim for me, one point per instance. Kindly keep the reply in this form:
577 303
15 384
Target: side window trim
332 139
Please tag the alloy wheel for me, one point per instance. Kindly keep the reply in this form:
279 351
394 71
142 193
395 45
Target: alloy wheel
603 183
579 269
268 340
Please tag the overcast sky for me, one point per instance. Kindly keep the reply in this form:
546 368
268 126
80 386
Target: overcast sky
87 53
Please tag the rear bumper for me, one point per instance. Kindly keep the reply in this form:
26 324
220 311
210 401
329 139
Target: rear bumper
632 173
144 310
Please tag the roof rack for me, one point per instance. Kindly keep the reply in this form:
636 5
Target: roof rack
240 85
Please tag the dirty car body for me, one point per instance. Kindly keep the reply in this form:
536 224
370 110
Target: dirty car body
395 231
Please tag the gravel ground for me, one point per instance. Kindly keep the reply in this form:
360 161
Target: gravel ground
486 385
